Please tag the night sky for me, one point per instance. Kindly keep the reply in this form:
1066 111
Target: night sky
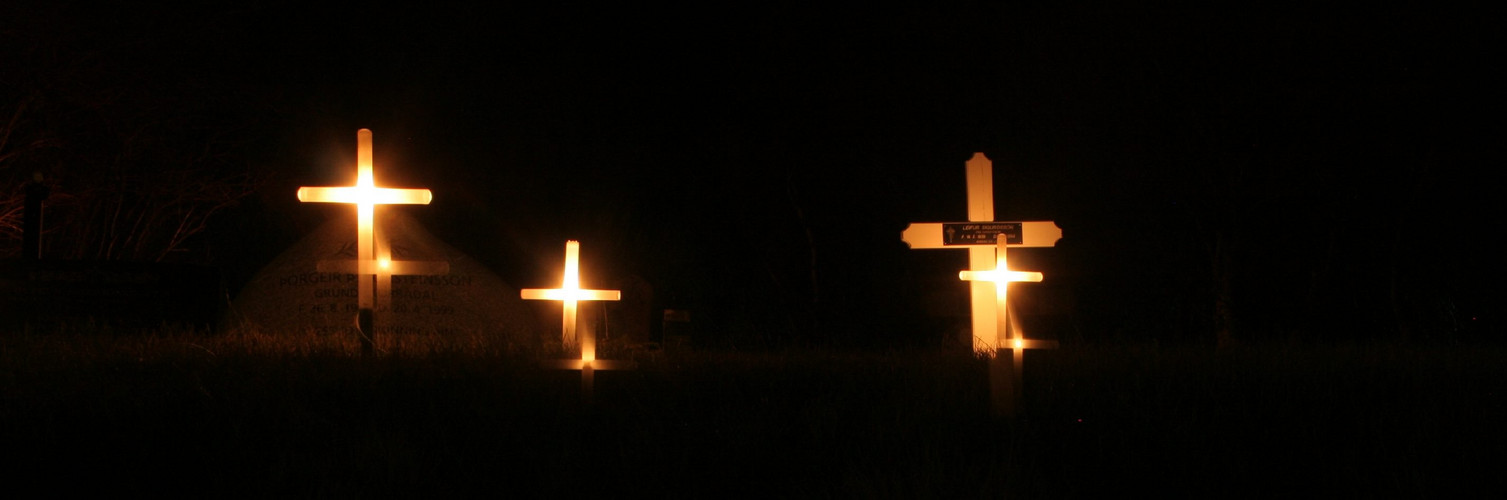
758 162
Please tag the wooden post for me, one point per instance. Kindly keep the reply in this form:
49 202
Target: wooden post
981 209
990 275
31 224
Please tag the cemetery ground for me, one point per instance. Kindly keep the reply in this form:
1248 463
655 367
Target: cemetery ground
262 415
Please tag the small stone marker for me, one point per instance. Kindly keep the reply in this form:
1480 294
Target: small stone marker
989 275
366 196
569 293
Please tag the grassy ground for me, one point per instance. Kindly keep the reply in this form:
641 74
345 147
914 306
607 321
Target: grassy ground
303 416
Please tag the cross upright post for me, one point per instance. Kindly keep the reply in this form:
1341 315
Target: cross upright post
366 196
981 209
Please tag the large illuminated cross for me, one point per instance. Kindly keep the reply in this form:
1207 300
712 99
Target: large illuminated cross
569 293
978 235
366 196
989 276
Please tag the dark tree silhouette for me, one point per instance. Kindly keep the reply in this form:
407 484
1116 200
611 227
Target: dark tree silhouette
140 148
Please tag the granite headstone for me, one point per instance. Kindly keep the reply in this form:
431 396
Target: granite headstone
291 294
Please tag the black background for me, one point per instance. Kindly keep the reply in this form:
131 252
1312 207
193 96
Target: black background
758 162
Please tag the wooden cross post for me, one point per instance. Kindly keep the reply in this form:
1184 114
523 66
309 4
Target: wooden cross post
366 196
980 173
978 235
569 293
988 274
1006 384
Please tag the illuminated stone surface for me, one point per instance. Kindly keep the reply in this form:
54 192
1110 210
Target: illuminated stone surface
291 294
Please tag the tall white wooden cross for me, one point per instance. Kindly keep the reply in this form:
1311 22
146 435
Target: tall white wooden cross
366 196
989 276
979 236
569 293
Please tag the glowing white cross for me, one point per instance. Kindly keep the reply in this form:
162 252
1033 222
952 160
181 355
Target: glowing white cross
569 293
991 321
366 196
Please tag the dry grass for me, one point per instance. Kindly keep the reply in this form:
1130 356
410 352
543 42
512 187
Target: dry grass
254 414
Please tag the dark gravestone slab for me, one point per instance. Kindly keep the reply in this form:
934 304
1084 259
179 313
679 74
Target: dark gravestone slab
52 294
293 295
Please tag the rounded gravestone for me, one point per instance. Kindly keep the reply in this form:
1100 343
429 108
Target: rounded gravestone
292 294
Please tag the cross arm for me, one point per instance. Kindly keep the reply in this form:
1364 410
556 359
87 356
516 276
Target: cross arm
999 276
596 364
373 195
394 267
565 294
1013 344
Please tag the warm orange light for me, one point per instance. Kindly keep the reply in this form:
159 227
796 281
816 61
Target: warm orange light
988 289
569 293
1002 276
366 196
365 191
997 276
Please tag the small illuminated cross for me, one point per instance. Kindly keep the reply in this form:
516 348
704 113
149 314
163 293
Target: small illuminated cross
569 293
1011 338
366 196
